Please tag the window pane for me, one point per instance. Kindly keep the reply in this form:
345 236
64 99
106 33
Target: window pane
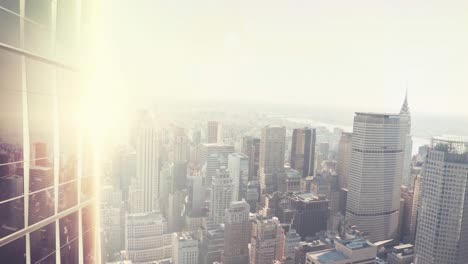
67 196
40 177
43 244
66 37
12 5
11 179
39 11
41 123
11 107
69 238
87 188
41 205
14 252
37 39
69 252
11 216
68 111
9 31
88 235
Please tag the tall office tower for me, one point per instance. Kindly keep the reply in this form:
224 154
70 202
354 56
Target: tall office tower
180 145
124 169
165 185
184 249
221 195
327 184
291 241
252 196
147 155
271 164
311 213
112 228
291 181
146 237
265 243
405 215
238 166
251 148
212 245
48 209
442 231
303 151
377 156
221 150
196 196
405 111
344 159
357 250
213 132
179 176
415 208
236 233
213 156
176 210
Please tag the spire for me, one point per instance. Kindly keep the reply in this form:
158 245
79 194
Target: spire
405 108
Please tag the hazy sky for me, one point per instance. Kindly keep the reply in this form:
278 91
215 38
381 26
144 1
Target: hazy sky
357 55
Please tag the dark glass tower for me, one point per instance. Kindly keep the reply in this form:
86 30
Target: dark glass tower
303 151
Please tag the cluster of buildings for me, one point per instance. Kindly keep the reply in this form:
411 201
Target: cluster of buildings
359 197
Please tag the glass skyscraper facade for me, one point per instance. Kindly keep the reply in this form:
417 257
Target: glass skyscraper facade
47 202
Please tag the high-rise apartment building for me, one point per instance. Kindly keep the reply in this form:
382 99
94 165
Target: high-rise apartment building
212 157
221 195
213 132
265 241
251 148
48 211
271 164
236 233
344 159
377 157
303 151
184 249
238 166
442 223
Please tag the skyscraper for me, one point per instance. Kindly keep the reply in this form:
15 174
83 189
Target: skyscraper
442 222
377 156
221 195
184 249
236 233
48 208
213 132
303 151
251 148
405 111
238 166
265 243
344 159
147 152
147 238
271 165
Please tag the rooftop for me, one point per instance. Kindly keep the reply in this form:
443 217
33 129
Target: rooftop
357 243
387 115
331 256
